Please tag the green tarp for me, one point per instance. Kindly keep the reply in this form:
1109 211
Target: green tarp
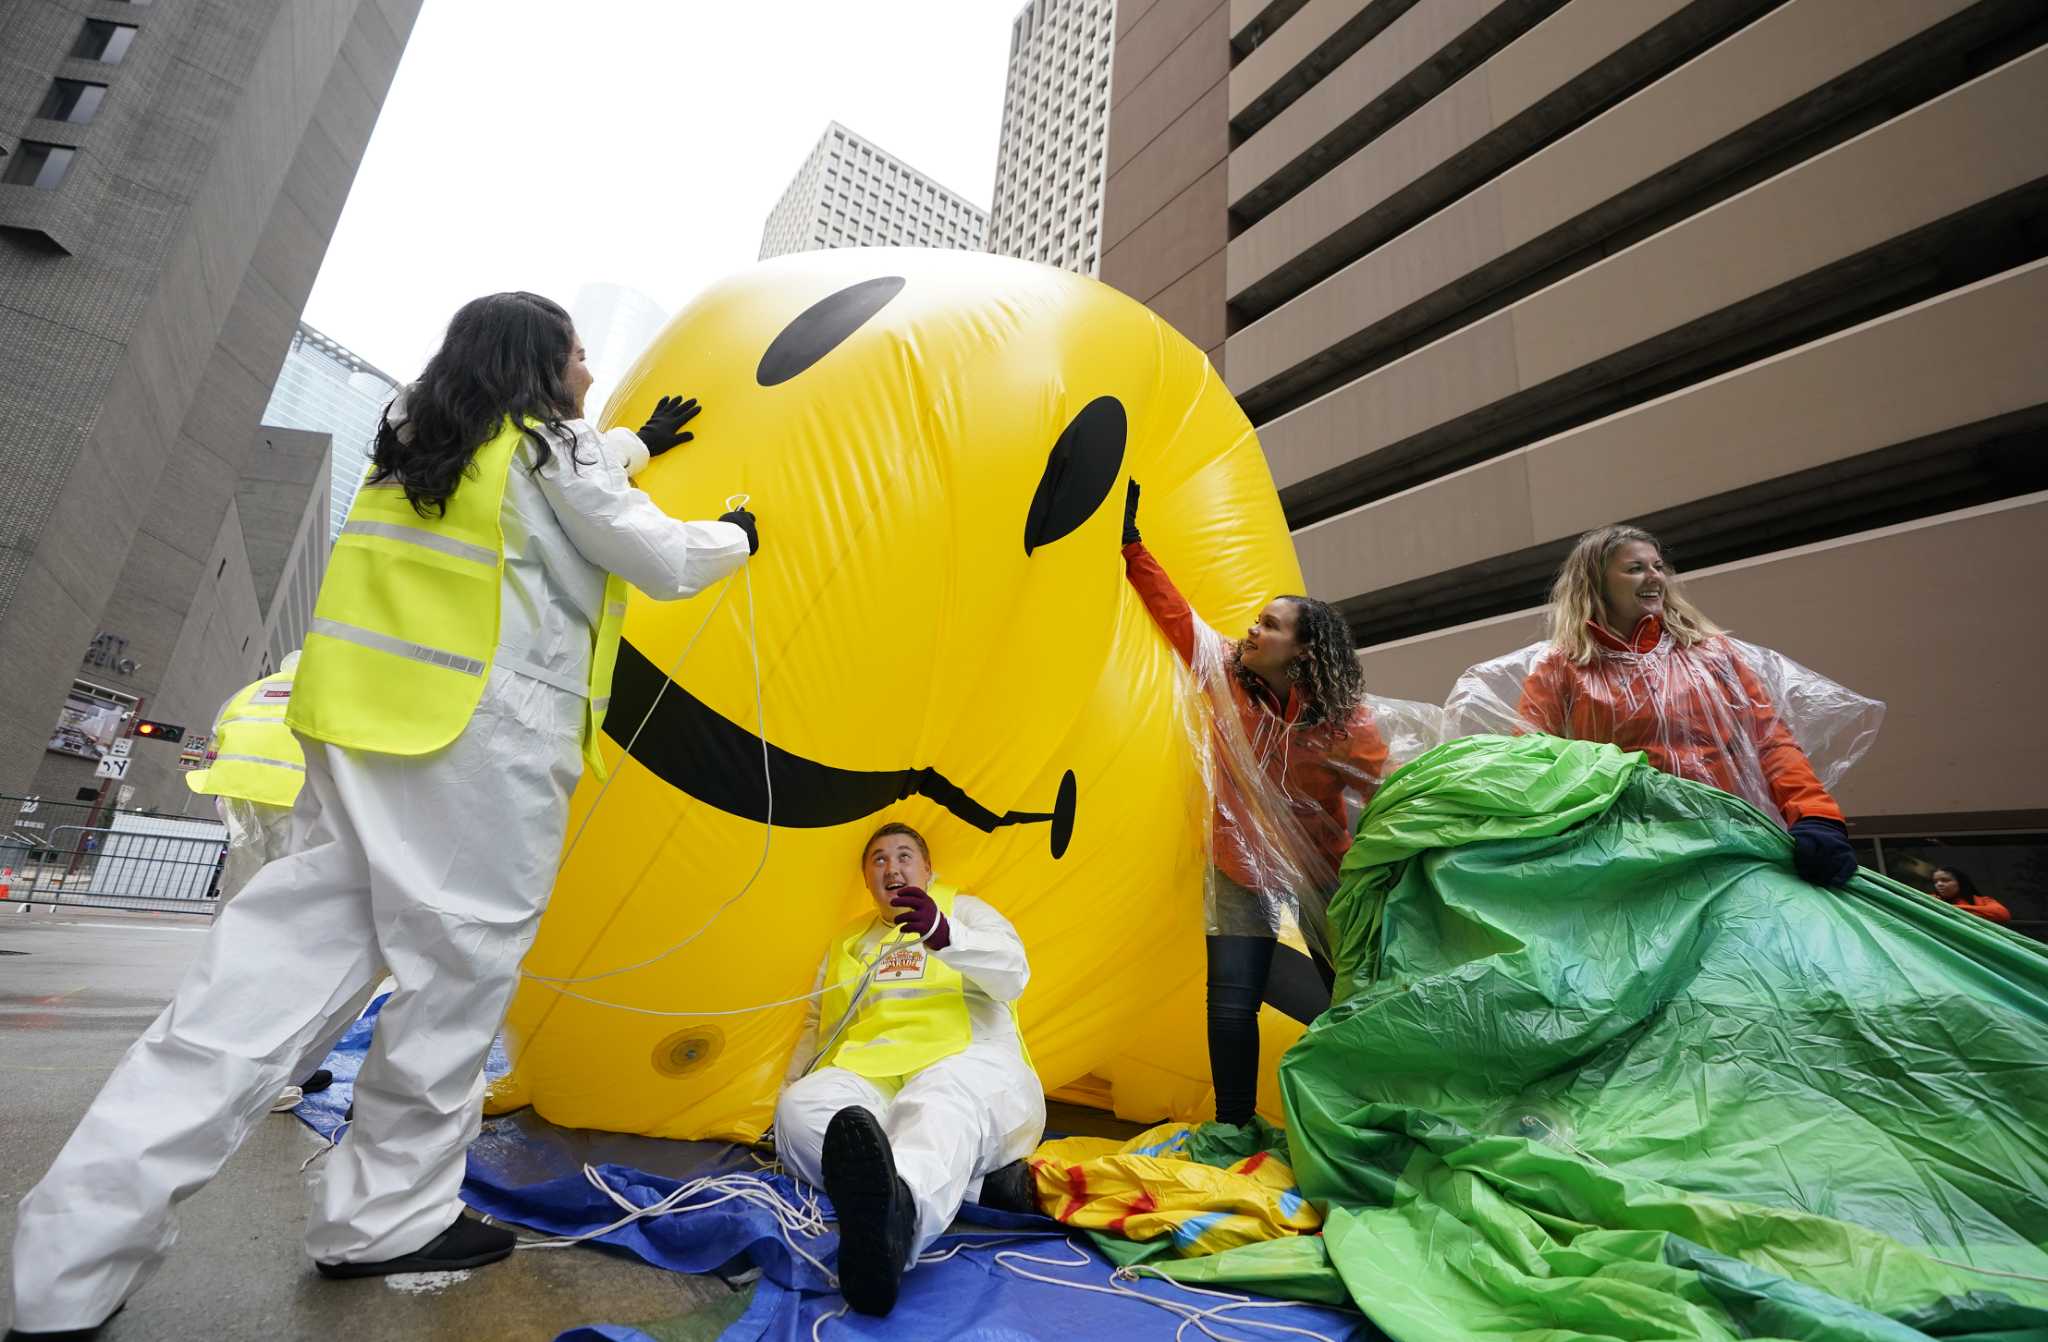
1602 1066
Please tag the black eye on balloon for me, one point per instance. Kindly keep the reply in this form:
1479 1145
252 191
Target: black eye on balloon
1079 472
823 327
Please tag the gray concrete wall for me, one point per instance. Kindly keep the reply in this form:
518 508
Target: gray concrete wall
1886 613
156 340
288 469
1164 217
1763 275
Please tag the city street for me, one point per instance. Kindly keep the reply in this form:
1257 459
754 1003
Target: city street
1023 668
75 988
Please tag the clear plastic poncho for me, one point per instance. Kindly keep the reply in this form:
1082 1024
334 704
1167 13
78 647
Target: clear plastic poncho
1285 799
1730 714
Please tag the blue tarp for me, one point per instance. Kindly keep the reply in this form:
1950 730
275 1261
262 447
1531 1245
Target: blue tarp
973 1296
524 1170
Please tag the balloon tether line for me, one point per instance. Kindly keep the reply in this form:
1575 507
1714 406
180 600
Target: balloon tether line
889 944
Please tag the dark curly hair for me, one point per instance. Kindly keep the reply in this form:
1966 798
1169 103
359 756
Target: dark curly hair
504 356
1327 669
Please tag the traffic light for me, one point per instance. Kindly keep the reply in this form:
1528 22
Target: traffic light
160 731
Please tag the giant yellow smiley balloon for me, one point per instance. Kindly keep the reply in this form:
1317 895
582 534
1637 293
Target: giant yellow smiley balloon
937 629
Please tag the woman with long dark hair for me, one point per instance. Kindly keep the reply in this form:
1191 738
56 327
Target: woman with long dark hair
447 696
1953 886
1292 748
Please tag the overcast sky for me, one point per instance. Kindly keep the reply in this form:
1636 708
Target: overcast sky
540 144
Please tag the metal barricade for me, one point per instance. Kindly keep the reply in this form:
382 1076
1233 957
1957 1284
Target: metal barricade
84 854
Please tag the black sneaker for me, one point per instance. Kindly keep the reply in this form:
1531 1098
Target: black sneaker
317 1082
467 1243
1013 1188
877 1220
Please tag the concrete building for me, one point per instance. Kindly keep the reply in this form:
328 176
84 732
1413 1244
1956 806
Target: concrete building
1766 276
282 505
325 388
151 278
851 193
1048 197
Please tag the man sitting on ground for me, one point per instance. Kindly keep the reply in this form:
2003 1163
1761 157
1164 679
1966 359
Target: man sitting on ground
910 1088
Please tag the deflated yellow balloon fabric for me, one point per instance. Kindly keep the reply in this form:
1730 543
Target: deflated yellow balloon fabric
937 446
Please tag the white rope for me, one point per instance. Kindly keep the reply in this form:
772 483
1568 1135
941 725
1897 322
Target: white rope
560 983
333 1140
767 782
818 1325
1191 1317
801 1215
668 679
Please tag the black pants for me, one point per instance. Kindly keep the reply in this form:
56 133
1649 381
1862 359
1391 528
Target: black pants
1241 976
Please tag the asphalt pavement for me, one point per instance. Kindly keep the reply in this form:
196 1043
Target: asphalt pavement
76 987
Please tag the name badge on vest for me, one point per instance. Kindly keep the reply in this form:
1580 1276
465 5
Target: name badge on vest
274 694
901 965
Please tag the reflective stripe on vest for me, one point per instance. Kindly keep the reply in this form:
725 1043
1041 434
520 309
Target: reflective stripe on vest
405 630
903 1025
604 659
256 759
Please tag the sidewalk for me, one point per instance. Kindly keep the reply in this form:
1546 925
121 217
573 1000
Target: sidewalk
76 987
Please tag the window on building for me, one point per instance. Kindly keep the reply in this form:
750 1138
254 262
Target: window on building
72 100
38 165
2010 868
104 42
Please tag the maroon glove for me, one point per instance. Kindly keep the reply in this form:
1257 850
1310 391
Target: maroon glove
921 915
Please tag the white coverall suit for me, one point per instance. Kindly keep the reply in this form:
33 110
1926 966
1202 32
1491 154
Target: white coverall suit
956 1120
258 835
434 868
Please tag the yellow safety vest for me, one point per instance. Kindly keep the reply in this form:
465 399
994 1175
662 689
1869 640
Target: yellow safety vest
913 1013
256 758
406 627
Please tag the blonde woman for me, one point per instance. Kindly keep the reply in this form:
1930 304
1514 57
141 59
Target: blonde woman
1633 663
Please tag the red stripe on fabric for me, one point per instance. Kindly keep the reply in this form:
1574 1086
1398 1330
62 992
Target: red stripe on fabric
1252 1164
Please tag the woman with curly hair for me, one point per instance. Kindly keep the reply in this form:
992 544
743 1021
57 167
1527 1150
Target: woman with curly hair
1293 747
1632 662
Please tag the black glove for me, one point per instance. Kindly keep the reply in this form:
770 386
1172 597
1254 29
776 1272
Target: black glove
744 520
1821 851
1131 514
664 428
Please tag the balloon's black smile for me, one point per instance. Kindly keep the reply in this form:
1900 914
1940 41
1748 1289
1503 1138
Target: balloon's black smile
693 747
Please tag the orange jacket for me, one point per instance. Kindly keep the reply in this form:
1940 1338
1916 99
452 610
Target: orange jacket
1984 906
1309 769
1696 712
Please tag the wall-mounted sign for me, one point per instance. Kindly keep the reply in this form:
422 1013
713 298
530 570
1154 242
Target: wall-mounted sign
111 652
88 725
